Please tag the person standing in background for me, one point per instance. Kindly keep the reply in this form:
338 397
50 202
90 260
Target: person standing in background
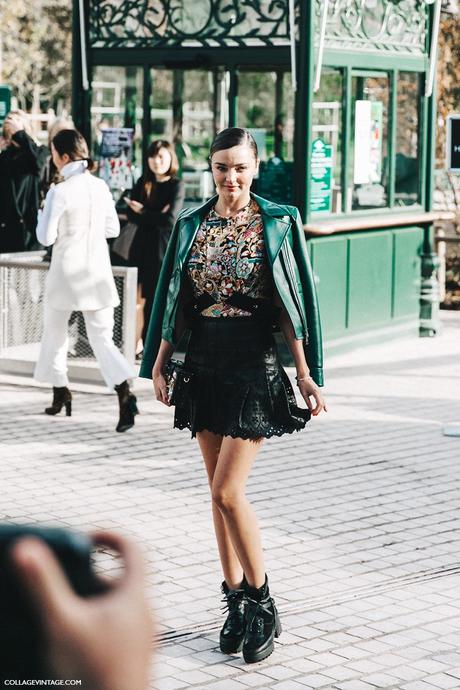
20 165
154 204
78 217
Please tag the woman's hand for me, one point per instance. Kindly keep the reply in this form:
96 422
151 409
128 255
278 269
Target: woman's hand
134 205
159 386
13 123
308 389
105 640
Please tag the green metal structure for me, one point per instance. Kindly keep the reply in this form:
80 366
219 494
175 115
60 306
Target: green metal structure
336 94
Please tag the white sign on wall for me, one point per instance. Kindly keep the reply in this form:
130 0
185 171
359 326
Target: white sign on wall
363 142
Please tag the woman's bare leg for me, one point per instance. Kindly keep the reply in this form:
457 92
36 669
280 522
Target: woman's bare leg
234 463
210 445
140 301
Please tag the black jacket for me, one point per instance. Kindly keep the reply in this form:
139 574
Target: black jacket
19 193
154 229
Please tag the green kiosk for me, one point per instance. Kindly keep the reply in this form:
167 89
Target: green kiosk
339 96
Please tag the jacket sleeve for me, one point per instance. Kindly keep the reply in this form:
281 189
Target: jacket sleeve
112 223
314 346
48 218
33 156
155 330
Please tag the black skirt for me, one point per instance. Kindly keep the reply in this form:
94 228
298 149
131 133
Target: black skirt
238 388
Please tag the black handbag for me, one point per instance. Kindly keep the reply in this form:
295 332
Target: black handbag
176 378
122 244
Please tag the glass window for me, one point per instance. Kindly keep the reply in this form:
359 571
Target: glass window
187 108
266 107
117 102
369 149
407 170
161 100
326 188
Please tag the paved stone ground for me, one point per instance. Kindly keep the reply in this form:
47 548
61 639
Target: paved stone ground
359 515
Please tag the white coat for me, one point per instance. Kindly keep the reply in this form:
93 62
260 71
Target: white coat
78 216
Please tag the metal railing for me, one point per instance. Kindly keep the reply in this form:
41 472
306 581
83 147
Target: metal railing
22 286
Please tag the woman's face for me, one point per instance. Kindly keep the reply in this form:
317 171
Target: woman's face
59 161
233 171
160 163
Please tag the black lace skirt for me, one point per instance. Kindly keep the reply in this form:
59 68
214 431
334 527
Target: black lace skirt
238 387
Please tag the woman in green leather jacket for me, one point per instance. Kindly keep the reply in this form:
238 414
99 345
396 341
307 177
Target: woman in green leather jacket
236 269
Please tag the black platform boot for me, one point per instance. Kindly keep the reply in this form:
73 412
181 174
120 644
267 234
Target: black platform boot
62 397
234 628
262 624
128 407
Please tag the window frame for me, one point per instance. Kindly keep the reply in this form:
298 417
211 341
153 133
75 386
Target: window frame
351 65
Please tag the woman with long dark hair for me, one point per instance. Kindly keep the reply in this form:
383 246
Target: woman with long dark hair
78 217
236 267
153 205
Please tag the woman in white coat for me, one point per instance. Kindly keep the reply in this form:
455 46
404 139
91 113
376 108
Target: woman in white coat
78 217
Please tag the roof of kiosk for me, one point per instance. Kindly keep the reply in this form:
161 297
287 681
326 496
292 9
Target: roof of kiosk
376 25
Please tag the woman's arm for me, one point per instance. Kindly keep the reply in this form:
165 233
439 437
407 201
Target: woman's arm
48 218
135 195
163 221
305 383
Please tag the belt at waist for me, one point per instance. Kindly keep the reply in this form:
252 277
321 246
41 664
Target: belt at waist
259 308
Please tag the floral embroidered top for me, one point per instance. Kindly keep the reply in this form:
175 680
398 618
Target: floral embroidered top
229 256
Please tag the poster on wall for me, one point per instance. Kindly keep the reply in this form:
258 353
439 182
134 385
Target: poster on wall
368 142
362 168
116 156
321 177
376 141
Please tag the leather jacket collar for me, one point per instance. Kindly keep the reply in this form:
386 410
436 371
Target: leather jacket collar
277 220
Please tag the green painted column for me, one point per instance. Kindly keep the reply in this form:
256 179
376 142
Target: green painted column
146 111
81 99
429 291
233 99
303 109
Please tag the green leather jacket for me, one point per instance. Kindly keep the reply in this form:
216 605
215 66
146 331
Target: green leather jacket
292 274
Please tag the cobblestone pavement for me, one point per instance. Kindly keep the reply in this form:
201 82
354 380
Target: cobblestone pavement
359 515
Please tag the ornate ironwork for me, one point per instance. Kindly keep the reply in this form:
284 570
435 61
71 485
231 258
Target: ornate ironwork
387 25
175 23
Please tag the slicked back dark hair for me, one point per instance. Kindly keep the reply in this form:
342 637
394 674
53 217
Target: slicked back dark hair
233 136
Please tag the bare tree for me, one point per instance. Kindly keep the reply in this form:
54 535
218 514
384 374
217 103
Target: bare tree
36 51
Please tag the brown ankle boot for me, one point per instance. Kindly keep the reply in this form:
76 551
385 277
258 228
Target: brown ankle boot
61 397
128 407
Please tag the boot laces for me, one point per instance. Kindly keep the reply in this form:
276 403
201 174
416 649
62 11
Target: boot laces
231 601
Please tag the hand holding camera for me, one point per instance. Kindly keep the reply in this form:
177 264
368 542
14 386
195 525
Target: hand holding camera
93 629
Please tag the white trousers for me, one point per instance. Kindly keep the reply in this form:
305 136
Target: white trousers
52 361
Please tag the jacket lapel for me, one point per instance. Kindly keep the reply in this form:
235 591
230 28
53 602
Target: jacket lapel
276 225
275 230
189 225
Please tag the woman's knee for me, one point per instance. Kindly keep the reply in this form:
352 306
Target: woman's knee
227 499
